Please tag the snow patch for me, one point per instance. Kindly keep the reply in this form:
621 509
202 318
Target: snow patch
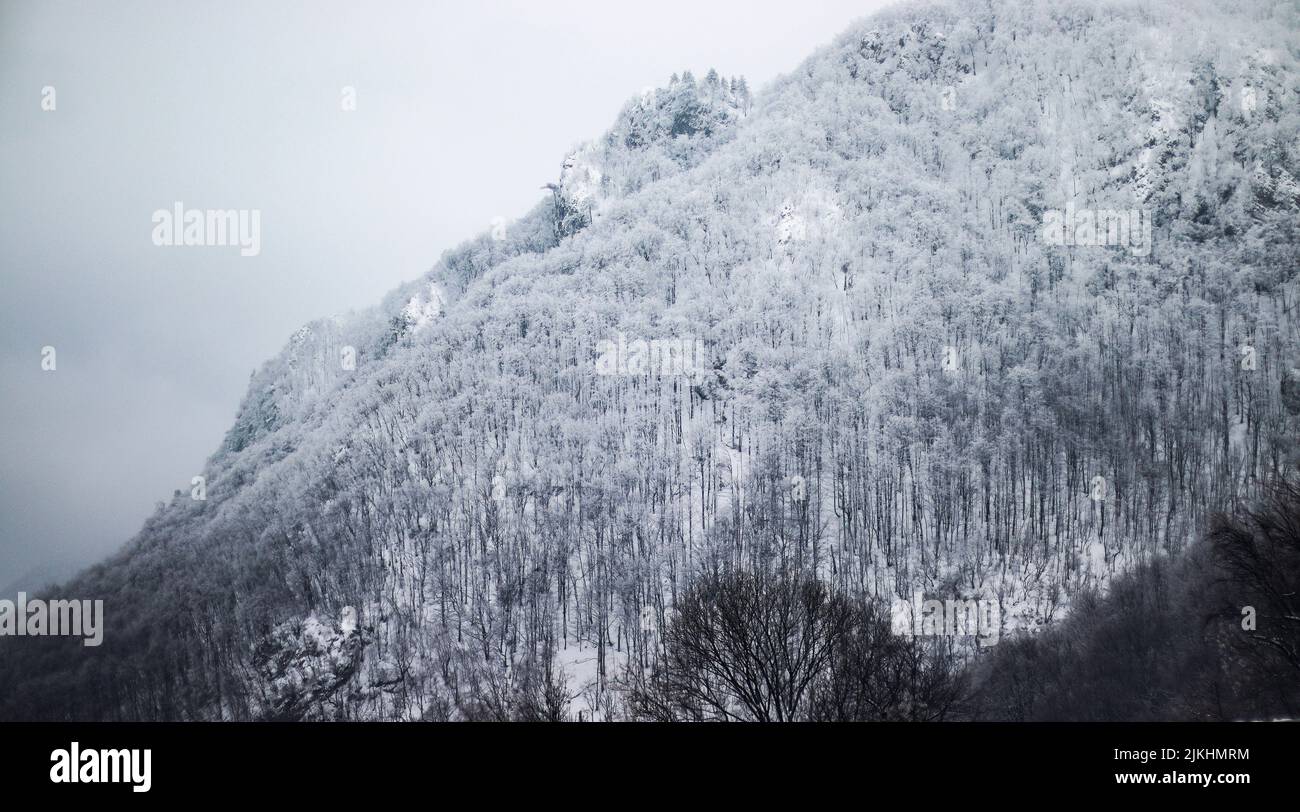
811 218
424 308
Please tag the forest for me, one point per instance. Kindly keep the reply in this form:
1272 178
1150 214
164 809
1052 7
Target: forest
904 387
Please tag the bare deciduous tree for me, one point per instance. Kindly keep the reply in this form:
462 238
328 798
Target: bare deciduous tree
746 647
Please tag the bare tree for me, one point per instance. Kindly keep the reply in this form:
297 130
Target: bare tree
746 647
1258 552
877 675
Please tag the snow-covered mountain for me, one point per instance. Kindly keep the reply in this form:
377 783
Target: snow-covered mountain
992 299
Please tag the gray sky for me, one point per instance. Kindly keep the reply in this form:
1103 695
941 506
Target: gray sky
464 110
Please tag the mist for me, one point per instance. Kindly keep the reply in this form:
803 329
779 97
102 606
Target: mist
111 112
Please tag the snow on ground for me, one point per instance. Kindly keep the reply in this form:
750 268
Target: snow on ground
424 308
581 663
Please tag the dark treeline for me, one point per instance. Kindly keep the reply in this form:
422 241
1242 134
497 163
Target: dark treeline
1213 635
780 647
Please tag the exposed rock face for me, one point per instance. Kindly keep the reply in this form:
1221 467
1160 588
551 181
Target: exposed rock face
665 131
306 663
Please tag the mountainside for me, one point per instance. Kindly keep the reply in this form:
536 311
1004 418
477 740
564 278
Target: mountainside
985 299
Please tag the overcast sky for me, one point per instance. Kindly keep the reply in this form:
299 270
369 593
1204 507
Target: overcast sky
463 111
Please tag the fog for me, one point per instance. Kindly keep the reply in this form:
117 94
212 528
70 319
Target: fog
463 111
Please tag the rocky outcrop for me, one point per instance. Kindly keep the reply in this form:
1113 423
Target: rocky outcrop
305 663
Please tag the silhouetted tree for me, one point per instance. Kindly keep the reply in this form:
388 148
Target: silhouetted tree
746 647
